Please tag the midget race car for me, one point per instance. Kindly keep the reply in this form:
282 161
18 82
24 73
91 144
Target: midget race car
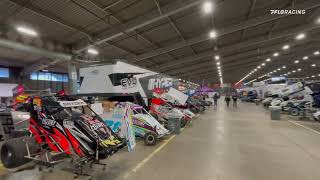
146 126
61 128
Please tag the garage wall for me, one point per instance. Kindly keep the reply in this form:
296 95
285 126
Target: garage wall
33 84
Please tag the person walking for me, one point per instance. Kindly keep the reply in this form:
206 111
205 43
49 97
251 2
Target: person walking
215 100
227 99
235 99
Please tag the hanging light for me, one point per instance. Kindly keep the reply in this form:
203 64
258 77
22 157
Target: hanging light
213 34
207 7
300 36
285 47
26 31
93 51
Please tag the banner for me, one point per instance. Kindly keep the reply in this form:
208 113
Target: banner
130 134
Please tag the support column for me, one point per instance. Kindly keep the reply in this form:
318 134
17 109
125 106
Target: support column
73 78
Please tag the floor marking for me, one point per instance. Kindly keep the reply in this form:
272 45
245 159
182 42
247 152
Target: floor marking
145 160
305 127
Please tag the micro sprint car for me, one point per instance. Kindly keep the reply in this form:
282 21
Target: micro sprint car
147 126
163 111
61 128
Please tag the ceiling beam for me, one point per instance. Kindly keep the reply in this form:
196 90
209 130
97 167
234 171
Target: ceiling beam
51 17
140 22
253 4
34 50
307 5
236 46
250 63
265 52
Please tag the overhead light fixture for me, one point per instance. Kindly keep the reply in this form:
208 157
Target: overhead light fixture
313 76
316 53
289 72
318 20
279 69
259 67
45 70
296 61
318 74
268 59
213 34
218 63
216 57
285 47
27 31
299 69
284 67
313 65
275 54
219 67
93 51
275 71
263 64
271 72
305 58
207 7
300 36
294 71
255 69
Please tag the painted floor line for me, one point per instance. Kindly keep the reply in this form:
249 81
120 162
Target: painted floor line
145 160
305 127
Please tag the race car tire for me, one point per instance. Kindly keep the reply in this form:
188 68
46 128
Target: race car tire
150 139
202 108
183 122
294 112
13 152
194 110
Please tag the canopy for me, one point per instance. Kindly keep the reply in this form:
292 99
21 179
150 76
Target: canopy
205 89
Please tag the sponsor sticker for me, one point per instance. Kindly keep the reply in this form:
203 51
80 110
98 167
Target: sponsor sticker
72 103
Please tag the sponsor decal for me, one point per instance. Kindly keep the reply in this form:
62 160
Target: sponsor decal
128 82
48 122
96 126
68 124
288 11
160 83
72 103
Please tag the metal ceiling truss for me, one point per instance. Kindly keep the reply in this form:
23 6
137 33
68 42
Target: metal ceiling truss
307 5
248 43
140 22
240 57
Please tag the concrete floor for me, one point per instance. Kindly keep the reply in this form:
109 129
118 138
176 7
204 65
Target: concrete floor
223 144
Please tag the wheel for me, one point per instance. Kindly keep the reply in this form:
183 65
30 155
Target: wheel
150 138
13 152
194 110
202 108
183 122
294 112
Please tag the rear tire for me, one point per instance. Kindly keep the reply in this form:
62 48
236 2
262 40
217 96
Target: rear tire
13 152
150 139
294 112
183 122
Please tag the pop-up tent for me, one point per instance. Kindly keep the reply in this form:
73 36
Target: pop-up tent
205 89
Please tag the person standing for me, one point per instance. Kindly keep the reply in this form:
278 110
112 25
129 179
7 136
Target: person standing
227 99
215 100
235 99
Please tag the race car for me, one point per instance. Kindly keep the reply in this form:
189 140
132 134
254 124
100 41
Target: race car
60 128
146 126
